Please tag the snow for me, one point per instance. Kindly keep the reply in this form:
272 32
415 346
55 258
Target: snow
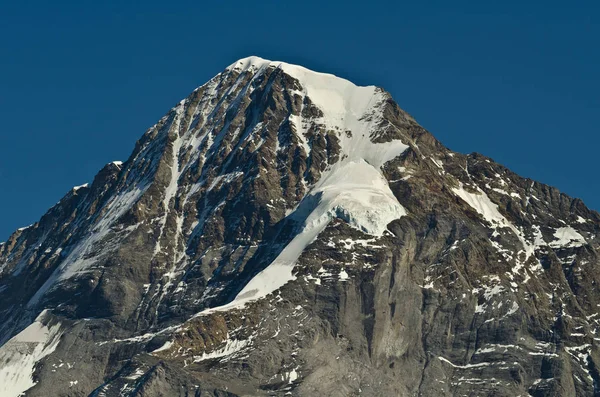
343 275
581 355
491 292
492 347
292 376
501 191
301 128
20 355
224 179
567 237
76 188
484 364
164 347
482 204
513 309
438 163
546 354
356 192
349 243
171 189
136 375
98 237
231 346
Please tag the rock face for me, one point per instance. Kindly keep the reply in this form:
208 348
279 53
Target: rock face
285 232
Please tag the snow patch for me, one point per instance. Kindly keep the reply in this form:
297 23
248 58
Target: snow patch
76 188
343 275
567 237
20 355
164 347
478 365
231 346
292 376
481 203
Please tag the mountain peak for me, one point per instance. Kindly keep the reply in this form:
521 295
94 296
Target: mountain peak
255 63
342 104
287 214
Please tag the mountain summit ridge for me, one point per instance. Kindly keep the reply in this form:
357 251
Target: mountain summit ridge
297 71
286 232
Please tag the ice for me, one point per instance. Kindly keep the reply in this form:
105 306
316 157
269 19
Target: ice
35 333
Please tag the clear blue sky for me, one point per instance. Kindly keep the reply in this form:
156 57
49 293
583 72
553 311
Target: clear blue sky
80 81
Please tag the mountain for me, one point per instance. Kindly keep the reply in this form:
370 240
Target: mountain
285 232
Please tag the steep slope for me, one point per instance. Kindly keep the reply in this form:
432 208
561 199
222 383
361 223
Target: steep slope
285 232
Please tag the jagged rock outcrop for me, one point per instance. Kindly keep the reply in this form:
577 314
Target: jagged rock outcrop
285 232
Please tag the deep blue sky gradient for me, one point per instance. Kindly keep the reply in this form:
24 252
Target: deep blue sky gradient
80 81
